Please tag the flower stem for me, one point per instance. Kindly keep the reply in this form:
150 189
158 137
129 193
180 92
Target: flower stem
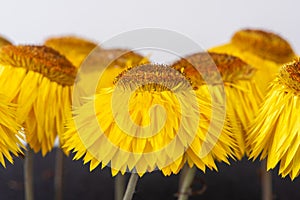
186 179
131 186
266 182
58 174
28 174
119 186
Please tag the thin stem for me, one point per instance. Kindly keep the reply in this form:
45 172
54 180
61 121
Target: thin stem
28 174
58 174
131 186
266 182
186 179
119 186
182 175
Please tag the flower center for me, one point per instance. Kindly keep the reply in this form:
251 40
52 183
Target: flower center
204 68
264 44
289 75
153 78
40 59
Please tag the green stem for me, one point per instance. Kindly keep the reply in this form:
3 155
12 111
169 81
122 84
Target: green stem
266 182
186 179
58 174
28 174
119 186
131 186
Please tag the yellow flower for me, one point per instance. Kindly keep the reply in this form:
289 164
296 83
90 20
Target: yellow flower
40 80
4 41
10 134
74 48
275 131
263 50
242 95
129 131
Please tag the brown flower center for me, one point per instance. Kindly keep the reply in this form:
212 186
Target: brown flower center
152 77
40 59
206 68
264 44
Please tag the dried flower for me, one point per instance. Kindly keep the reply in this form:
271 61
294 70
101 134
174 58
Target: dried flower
242 95
40 80
275 131
131 139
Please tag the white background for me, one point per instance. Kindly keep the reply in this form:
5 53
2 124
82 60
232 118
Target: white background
209 22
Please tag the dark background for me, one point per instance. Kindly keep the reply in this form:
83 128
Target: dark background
239 181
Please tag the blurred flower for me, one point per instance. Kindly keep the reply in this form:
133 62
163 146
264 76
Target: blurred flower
94 59
112 62
263 50
75 49
40 80
100 70
275 131
10 135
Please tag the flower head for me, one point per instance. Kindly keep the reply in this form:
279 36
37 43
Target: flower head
263 50
74 48
242 94
266 45
40 80
130 138
147 120
275 131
